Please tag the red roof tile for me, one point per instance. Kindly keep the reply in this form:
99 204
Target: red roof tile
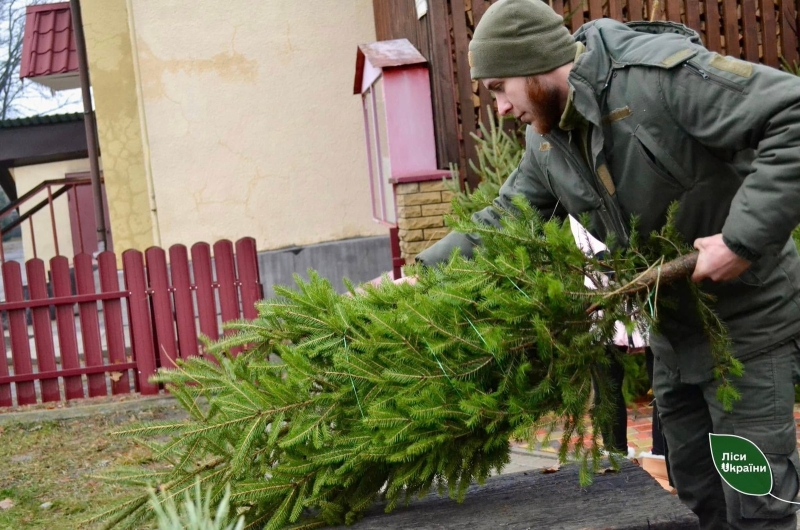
48 46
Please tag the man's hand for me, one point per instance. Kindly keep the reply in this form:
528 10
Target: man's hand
716 261
411 280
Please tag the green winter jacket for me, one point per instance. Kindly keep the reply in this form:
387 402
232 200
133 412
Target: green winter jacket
674 121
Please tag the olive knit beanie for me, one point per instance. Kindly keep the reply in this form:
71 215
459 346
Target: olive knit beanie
517 38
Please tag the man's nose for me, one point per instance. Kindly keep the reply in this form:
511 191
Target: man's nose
503 106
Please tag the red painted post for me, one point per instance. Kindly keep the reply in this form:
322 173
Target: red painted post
112 316
226 279
42 331
139 319
18 329
52 218
204 286
249 278
74 191
33 237
90 324
184 307
164 324
65 324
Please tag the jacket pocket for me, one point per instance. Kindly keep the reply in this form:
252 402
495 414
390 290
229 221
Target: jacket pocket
659 160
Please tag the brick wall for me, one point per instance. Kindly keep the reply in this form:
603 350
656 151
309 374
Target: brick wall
421 207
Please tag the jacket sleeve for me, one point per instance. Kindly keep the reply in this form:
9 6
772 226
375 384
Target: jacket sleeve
734 105
527 180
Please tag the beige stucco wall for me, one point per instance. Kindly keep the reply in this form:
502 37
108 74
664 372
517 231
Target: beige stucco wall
250 120
28 177
111 66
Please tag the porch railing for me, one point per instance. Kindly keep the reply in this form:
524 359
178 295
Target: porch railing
46 192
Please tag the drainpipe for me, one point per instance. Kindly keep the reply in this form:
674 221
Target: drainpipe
89 123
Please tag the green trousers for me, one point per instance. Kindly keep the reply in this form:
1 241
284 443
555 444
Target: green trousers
764 415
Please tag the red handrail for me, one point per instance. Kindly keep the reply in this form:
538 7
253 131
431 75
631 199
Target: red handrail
66 185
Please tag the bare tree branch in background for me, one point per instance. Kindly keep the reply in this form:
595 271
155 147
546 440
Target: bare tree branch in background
17 97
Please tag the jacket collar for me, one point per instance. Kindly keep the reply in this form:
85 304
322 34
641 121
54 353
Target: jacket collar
611 45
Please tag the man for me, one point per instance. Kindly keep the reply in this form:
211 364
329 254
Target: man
624 120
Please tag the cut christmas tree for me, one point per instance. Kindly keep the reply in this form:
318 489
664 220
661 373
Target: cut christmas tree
340 401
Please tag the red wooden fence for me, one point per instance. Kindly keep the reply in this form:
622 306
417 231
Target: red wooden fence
755 30
96 352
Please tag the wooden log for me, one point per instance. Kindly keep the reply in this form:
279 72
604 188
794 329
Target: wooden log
629 499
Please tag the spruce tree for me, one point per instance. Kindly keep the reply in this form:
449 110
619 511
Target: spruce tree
404 389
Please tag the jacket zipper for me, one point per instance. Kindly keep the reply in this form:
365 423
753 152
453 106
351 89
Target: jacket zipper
713 78
608 219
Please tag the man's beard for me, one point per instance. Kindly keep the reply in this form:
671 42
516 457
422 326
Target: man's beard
545 101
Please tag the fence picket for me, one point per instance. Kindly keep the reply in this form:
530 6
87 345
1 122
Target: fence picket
112 317
673 10
595 9
164 323
249 283
226 279
693 15
464 82
18 330
558 6
712 33
789 29
769 27
575 14
42 330
731 24
635 10
184 307
65 325
140 321
750 30
90 323
204 287
615 9
444 93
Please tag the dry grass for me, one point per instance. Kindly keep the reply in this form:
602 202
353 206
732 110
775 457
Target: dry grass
53 462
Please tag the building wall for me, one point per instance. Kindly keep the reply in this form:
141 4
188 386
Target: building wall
108 44
251 125
27 178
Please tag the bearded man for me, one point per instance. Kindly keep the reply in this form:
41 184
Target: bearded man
623 120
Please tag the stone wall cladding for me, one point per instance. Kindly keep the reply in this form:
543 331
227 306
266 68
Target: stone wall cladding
421 208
